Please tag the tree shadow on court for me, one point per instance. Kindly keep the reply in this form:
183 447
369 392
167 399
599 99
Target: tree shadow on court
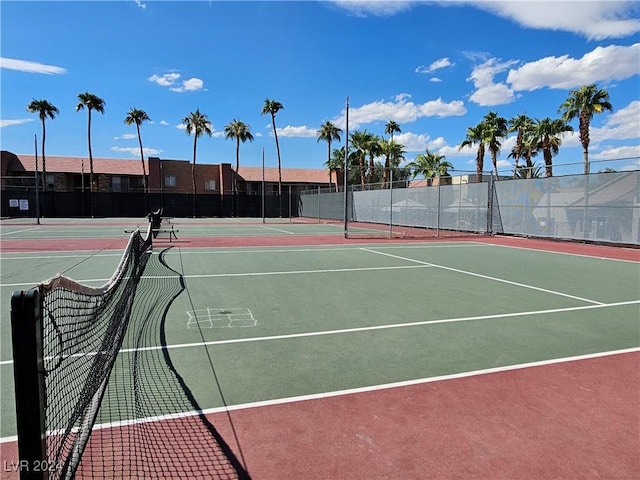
170 436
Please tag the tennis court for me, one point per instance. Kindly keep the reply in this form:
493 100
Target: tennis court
285 351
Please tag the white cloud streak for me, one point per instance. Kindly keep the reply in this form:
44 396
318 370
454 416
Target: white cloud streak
30 67
9 123
135 151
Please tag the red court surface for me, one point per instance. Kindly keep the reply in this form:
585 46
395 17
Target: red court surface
97 244
573 420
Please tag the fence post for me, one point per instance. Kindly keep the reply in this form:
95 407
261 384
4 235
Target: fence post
489 228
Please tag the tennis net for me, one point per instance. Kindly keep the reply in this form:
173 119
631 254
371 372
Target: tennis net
105 399
79 330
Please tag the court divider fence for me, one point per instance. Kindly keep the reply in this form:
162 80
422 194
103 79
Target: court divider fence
599 207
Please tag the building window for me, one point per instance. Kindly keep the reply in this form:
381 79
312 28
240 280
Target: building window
169 180
116 184
209 184
50 182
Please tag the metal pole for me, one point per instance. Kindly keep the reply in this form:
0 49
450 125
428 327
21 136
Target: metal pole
263 212
439 203
35 138
346 172
290 220
391 203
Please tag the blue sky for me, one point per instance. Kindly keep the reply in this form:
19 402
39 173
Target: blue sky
436 68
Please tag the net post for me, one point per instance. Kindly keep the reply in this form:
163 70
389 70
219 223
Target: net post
28 371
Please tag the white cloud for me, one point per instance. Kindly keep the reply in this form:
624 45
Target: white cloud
601 64
413 142
623 124
164 122
165 80
437 65
8 123
363 8
487 92
30 67
594 20
140 4
135 151
191 85
616 153
302 131
126 136
494 94
401 110
171 80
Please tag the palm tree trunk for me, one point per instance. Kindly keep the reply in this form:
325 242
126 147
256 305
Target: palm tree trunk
546 153
479 164
44 160
90 156
144 172
329 162
363 176
193 174
235 177
275 134
585 156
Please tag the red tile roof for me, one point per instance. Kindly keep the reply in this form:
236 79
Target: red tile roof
289 175
111 166
115 166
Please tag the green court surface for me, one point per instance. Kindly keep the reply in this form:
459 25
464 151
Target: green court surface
257 324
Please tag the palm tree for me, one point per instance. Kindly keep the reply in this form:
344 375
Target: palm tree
335 163
44 109
272 107
360 142
520 123
374 149
328 132
240 132
393 154
91 102
584 103
138 116
476 135
198 124
495 129
548 133
392 127
430 165
525 172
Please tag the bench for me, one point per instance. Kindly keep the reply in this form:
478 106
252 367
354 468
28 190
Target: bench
155 231
171 231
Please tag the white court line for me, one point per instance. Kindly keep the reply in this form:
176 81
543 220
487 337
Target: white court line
487 277
278 230
19 231
351 391
248 274
359 329
540 250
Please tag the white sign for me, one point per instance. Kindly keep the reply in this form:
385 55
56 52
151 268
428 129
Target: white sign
24 204
13 202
